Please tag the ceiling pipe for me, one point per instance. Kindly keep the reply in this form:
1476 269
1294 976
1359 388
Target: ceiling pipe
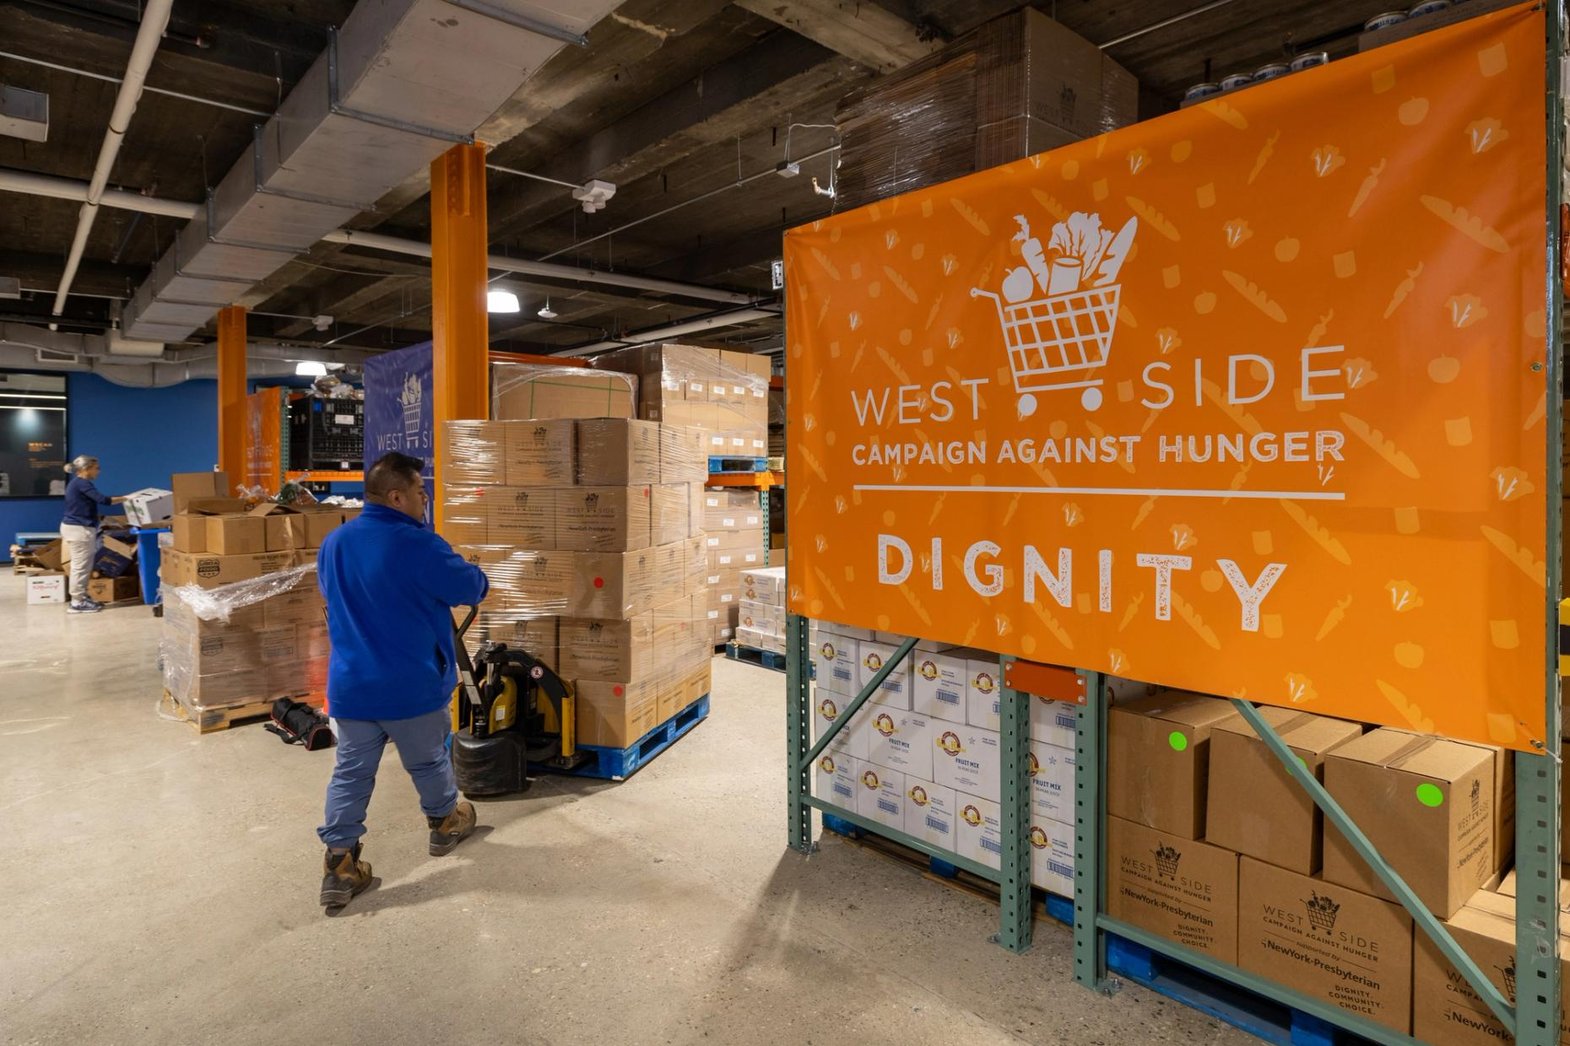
675 330
69 189
155 19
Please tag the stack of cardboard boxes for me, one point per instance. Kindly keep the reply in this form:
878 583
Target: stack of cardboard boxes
725 395
761 617
590 531
923 755
734 543
1212 844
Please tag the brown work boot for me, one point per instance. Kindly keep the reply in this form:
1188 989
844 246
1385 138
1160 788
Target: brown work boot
447 832
344 876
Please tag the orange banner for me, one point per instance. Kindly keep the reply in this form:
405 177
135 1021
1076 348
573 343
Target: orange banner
1248 399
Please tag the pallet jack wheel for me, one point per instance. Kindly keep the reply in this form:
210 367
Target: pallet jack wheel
491 766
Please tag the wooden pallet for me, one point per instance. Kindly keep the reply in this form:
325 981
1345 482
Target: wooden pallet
211 720
1054 906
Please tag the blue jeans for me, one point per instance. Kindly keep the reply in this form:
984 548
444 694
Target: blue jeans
422 746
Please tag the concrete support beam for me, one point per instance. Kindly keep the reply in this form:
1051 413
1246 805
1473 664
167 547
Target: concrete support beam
862 32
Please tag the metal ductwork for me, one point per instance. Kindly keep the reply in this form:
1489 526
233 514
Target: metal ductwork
399 84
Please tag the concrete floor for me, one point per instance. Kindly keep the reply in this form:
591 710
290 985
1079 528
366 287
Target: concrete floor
161 888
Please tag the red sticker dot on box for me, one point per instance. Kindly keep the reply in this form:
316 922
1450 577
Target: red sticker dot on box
599 582
618 691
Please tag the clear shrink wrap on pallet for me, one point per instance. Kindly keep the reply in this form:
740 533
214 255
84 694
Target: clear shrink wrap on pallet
244 644
723 392
527 391
554 583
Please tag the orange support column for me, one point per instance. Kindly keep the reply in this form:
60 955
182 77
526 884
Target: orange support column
231 392
460 330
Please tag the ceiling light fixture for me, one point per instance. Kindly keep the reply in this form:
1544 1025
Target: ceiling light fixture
501 301
546 312
310 369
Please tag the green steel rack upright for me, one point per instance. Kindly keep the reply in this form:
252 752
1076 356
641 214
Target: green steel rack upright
1533 1016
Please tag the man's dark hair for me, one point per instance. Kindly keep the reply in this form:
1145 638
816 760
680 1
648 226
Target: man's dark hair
392 471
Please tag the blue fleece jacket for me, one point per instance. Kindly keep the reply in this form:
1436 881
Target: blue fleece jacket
81 503
390 585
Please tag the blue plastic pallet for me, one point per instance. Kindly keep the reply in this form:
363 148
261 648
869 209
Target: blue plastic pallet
762 658
618 764
723 464
1229 1003
1059 908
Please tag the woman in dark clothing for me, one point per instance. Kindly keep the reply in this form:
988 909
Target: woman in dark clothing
79 529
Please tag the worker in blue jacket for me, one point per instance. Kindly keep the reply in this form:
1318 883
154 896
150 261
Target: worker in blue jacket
390 584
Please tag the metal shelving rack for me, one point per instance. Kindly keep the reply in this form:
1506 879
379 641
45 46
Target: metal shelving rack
1532 1016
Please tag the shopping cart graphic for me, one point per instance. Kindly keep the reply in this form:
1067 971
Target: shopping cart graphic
1058 342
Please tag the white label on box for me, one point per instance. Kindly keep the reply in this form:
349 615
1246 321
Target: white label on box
938 686
929 813
966 759
881 795
343 419
895 690
982 699
1053 721
901 741
1051 783
729 523
835 780
979 833
1052 856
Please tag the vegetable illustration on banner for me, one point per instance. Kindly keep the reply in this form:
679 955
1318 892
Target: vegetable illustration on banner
1246 399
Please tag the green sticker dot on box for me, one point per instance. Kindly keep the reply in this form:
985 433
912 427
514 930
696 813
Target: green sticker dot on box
1178 740
1430 794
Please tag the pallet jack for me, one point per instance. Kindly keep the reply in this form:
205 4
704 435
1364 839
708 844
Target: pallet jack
509 710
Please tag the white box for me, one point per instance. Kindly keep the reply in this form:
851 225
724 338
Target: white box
938 686
848 631
978 832
834 780
852 741
901 741
1052 721
967 759
45 588
149 505
1051 783
930 814
983 705
837 661
1052 856
880 795
764 586
762 617
895 691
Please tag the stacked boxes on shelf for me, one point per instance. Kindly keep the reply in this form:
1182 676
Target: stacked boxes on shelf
923 755
725 395
761 614
1211 844
590 530
734 547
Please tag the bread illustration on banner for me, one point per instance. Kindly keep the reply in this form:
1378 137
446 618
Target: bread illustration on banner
1226 113
1467 223
1403 704
1320 534
1154 218
1394 455
1197 623
1254 295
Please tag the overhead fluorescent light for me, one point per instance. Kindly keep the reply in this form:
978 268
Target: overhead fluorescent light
310 369
501 301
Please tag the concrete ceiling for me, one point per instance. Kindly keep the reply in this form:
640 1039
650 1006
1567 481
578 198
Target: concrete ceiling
672 100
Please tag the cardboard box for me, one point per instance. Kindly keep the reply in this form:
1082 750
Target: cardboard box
319 522
1166 883
188 532
1445 1008
861 635
895 689
621 584
520 517
837 662
465 515
1326 941
670 512
618 453
854 739
609 650
938 685
900 741
539 453
764 586
930 813
209 571
1254 805
44 589
236 535
982 697
302 605
763 617
1158 760
966 759
1428 806
1052 856
684 456
1053 722
880 795
473 452
602 519
731 510
1051 783
979 832
114 589
528 392
148 506
115 557
732 541
615 715
283 528
535 635
186 486
836 779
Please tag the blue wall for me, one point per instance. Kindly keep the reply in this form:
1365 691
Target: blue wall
140 435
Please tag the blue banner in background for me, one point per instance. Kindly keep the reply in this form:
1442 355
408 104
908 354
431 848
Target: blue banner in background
398 409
